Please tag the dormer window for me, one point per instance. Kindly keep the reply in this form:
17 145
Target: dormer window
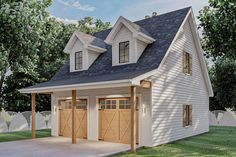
78 60
128 41
124 52
84 50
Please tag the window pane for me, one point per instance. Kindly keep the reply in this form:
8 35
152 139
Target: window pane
121 107
128 106
187 63
122 46
108 102
78 60
126 59
126 45
122 60
122 102
113 101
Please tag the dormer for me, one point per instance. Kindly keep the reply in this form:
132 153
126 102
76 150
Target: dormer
83 50
128 41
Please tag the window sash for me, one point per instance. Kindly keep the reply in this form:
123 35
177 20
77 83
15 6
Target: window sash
124 52
187 63
187 115
78 60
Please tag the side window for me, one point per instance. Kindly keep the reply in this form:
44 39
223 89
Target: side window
78 60
124 52
187 63
187 115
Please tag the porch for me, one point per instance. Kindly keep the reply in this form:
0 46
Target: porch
126 110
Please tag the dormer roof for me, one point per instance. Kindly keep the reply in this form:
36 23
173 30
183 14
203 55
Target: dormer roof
90 42
138 31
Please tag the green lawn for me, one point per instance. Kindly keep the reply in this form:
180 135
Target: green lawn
220 141
22 135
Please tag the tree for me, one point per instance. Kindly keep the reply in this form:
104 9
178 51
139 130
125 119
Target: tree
225 84
214 103
218 21
37 51
20 32
153 15
89 26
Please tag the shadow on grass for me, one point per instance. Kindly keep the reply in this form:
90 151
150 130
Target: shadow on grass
220 141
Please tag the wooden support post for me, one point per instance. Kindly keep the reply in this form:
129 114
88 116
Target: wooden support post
73 117
133 119
33 104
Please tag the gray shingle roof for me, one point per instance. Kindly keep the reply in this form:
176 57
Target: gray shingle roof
162 28
137 27
92 40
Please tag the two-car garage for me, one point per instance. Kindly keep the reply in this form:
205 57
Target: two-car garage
113 119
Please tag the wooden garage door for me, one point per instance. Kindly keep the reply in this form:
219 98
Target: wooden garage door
114 120
66 118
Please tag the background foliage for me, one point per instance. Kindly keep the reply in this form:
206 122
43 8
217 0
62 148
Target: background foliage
32 42
31 49
218 21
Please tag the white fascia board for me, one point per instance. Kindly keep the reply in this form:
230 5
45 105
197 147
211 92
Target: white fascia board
95 85
122 21
70 43
143 37
96 49
114 30
200 55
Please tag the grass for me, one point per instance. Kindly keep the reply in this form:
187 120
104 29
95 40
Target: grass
219 142
23 135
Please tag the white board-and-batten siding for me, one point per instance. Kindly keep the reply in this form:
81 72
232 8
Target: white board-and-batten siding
172 89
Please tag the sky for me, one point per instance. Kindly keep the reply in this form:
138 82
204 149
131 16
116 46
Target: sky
71 11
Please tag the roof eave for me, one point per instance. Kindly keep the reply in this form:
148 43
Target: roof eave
82 86
96 48
143 37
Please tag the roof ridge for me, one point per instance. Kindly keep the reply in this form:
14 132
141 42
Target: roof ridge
147 18
163 14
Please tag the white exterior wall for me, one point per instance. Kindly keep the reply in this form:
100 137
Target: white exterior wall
92 56
145 137
171 89
140 48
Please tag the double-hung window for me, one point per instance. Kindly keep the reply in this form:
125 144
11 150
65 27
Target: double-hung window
78 60
187 63
124 52
187 115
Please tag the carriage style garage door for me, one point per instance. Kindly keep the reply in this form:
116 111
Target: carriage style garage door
114 120
66 118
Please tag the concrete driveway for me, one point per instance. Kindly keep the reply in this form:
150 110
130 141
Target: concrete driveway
59 147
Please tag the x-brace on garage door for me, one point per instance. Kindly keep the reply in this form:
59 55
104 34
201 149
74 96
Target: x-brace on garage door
114 120
65 108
